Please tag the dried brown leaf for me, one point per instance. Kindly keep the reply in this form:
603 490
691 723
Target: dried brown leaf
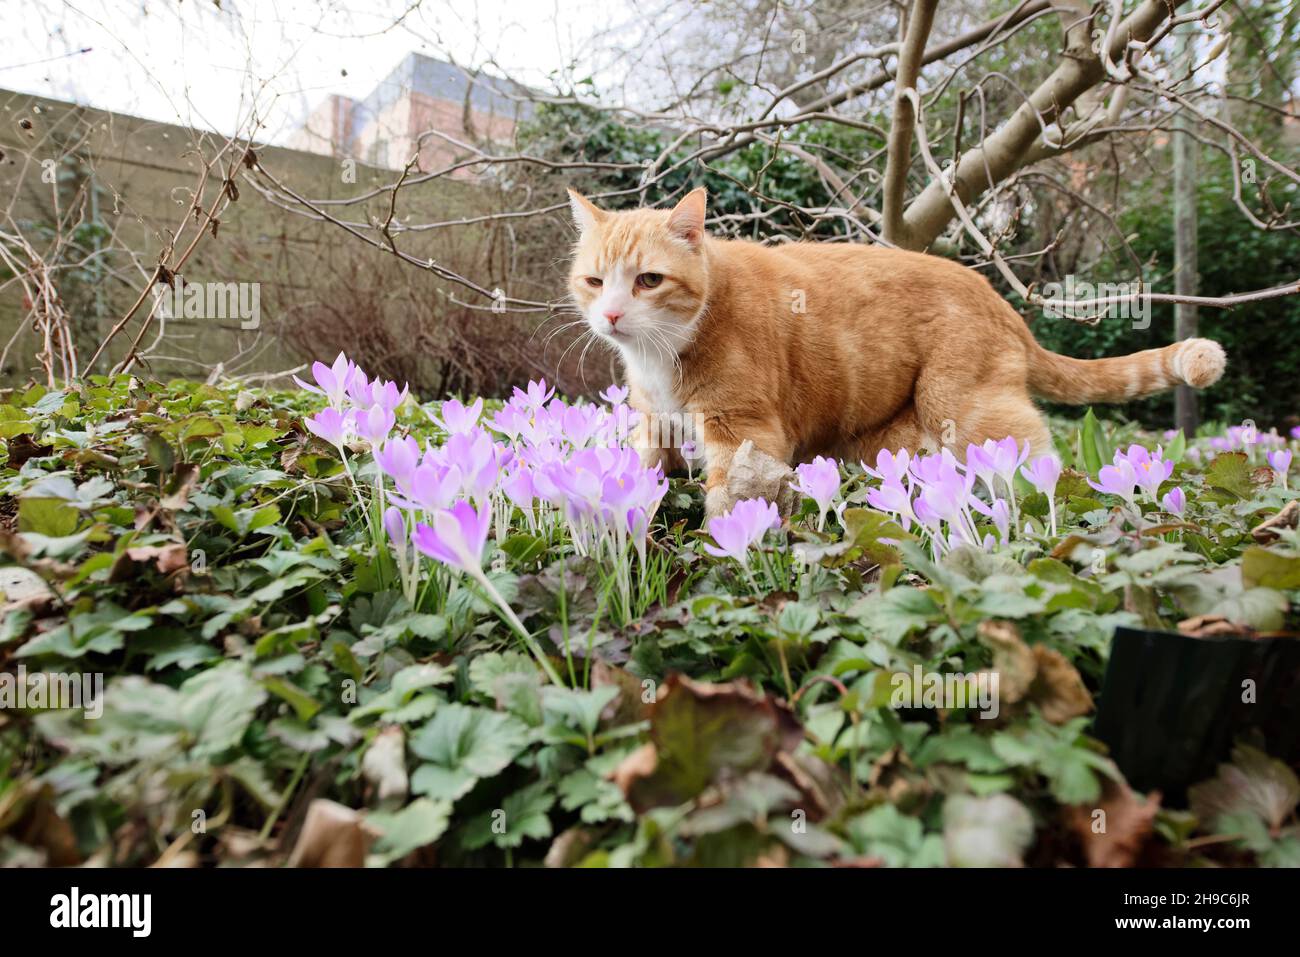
332 836
1058 689
1114 832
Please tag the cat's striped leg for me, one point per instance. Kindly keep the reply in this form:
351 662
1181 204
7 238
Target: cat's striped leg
721 438
997 414
904 431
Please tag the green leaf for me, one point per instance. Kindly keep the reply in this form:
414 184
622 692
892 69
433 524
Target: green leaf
303 704
1060 754
521 816
1253 783
598 799
865 528
13 422
524 548
417 825
101 630
1270 569
704 732
579 709
1093 447
1230 472
898 839
217 705
462 744
47 516
1260 608
1177 448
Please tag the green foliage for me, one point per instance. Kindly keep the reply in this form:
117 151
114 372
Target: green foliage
1262 339
200 551
594 136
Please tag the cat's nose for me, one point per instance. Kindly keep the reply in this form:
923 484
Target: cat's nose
613 315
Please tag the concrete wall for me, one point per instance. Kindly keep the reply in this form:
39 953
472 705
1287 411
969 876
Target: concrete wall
142 173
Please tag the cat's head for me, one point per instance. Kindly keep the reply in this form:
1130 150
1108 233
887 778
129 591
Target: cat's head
640 276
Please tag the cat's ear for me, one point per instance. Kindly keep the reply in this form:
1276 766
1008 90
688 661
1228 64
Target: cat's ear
585 213
686 221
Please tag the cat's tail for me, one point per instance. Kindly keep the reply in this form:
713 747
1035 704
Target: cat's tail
1195 362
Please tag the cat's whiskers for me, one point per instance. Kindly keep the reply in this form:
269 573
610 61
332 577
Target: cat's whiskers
582 357
660 333
567 349
573 314
555 332
653 337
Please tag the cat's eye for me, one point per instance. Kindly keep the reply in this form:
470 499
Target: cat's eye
648 280
595 282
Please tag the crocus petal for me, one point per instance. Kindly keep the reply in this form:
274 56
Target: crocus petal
394 525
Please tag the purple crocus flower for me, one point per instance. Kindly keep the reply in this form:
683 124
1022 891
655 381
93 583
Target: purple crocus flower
1043 473
1295 432
820 481
979 461
395 526
740 528
331 425
518 486
579 423
890 466
1280 460
365 393
615 395
1008 456
398 459
432 487
1149 470
332 380
1174 501
638 526
1000 459
455 536
374 424
893 499
935 468
358 388
1118 479
536 396
509 421
387 395
458 418
576 483
1001 515
479 460
946 494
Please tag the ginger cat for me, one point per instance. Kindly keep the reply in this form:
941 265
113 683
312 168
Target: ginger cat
832 349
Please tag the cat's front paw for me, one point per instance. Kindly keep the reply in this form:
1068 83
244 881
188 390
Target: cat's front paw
717 502
751 473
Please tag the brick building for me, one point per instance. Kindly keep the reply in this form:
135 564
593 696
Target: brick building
421 94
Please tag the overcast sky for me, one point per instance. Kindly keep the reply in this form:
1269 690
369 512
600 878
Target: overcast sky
195 63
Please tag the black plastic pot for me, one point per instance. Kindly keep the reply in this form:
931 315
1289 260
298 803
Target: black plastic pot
1171 705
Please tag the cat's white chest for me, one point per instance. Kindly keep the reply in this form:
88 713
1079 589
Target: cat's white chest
655 378
668 423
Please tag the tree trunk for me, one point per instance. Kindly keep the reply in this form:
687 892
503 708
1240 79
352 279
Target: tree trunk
1186 412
